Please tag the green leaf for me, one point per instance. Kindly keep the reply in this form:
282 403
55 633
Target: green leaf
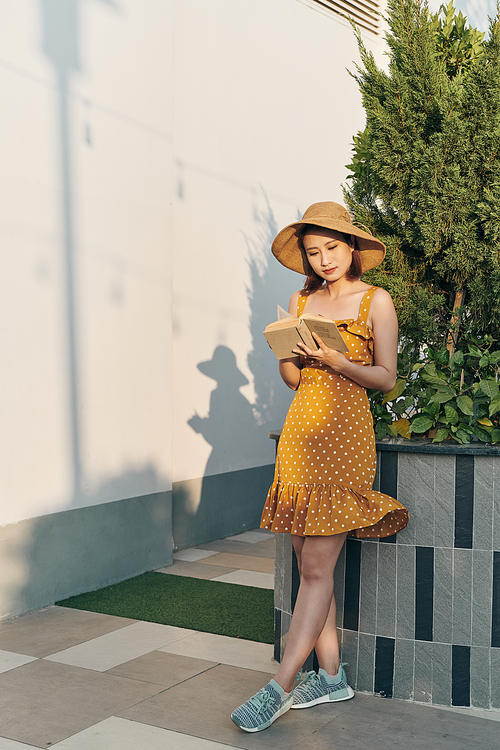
484 361
489 387
396 391
399 407
481 409
463 436
483 435
441 434
451 414
474 351
434 381
421 424
417 367
430 367
494 406
432 410
457 359
446 388
495 357
465 405
441 398
392 430
495 436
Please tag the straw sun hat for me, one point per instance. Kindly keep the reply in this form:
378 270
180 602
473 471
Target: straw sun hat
328 215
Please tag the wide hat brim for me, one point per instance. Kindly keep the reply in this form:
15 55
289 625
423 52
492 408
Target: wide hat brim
327 215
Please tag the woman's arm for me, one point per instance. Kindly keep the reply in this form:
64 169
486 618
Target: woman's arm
382 374
290 368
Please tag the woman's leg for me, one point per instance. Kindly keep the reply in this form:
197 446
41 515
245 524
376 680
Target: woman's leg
314 610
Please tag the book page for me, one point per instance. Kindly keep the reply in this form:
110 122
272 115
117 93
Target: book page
283 313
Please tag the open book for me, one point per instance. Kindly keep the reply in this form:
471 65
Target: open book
284 334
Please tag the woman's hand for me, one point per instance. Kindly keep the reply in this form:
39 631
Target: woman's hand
330 357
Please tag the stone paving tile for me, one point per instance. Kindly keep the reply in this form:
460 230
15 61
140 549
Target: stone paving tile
13 745
193 555
217 693
145 703
43 702
236 652
115 648
475 713
9 660
247 562
53 629
378 724
263 549
195 569
162 668
121 734
253 537
248 578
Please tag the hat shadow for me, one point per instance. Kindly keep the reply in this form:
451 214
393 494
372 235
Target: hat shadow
230 495
230 429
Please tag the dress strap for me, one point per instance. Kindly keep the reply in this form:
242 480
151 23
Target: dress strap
301 303
364 308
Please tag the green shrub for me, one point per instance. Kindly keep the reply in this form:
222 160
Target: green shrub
443 396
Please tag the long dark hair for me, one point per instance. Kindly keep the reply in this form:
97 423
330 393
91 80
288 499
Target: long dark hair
313 281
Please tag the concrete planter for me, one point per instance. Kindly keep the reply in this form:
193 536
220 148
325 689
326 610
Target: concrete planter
419 614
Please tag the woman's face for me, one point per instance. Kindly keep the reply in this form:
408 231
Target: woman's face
328 253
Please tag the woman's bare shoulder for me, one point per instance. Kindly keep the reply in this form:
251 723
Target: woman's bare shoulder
382 307
382 299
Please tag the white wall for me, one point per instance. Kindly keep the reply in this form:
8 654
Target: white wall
85 232
264 116
150 151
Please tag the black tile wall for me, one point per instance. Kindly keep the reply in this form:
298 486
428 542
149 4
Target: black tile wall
352 584
424 593
460 676
495 619
384 666
277 634
464 501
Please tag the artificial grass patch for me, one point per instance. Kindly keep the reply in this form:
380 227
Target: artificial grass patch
209 606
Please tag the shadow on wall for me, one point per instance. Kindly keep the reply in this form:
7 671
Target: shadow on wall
222 505
230 502
266 278
61 44
53 556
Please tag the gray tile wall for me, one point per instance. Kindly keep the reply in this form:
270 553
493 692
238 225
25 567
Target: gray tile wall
462 596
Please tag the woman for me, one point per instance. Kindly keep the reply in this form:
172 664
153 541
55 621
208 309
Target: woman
326 456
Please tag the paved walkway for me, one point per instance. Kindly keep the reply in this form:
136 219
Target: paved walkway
75 680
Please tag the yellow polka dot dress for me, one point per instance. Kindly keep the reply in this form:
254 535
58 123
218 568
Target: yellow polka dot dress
326 459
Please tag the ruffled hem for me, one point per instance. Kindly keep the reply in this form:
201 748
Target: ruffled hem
324 510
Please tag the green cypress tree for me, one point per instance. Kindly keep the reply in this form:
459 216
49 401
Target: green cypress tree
426 173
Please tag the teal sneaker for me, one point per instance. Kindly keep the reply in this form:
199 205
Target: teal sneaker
320 688
263 708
